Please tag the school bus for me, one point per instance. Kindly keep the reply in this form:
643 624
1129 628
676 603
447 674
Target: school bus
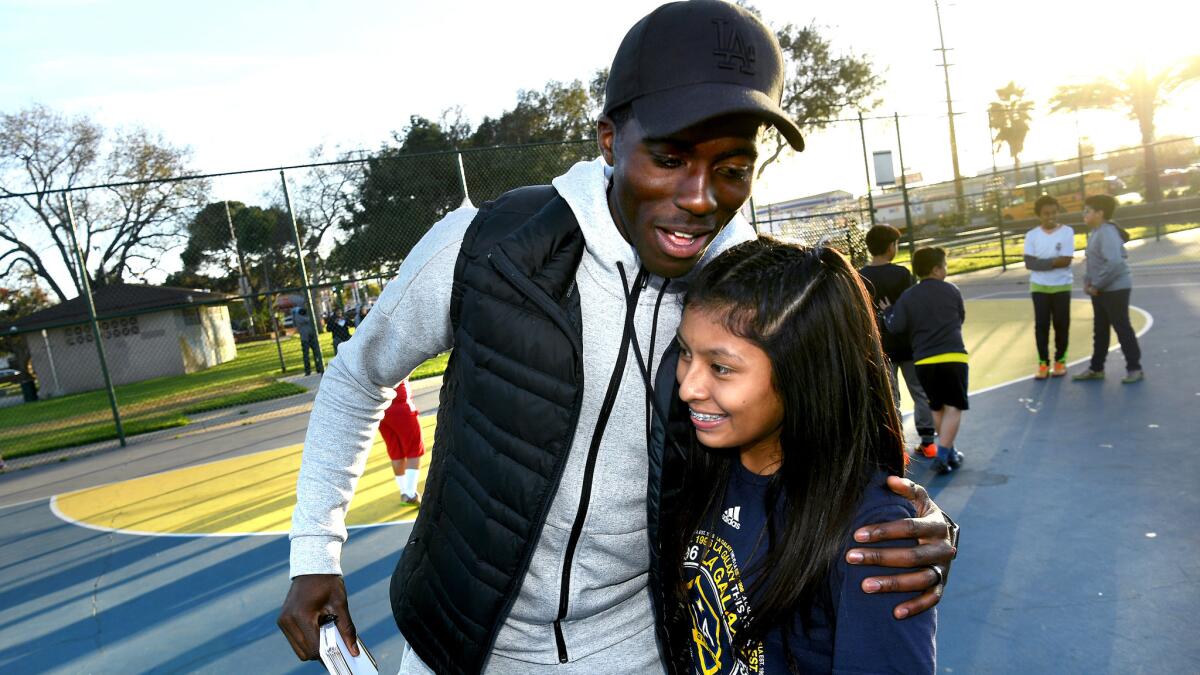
1063 188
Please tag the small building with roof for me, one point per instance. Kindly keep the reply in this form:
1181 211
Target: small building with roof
147 332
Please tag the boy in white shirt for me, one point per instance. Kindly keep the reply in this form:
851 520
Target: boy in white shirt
1049 248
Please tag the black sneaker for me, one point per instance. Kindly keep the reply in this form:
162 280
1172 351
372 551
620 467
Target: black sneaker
941 468
955 460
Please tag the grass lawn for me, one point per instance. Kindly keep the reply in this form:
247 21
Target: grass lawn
985 255
161 403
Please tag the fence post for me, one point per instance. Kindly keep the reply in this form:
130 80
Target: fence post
50 357
912 240
1082 181
312 308
1003 253
86 292
862 134
462 178
1000 222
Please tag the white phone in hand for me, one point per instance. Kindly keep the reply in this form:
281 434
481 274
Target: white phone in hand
337 658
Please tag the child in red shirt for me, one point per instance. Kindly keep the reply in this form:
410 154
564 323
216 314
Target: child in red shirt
402 435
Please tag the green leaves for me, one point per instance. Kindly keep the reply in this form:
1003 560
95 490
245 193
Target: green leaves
1009 119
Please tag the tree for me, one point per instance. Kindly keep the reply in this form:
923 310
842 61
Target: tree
123 228
1138 92
16 301
411 185
264 241
1009 119
404 190
819 84
325 202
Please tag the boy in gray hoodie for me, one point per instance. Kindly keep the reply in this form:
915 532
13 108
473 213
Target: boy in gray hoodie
1109 283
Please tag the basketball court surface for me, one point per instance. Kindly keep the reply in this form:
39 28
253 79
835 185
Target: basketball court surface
171 555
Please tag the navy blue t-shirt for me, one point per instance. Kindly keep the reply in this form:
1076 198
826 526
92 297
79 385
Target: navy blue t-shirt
864 638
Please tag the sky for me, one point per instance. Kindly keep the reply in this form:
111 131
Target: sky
251 84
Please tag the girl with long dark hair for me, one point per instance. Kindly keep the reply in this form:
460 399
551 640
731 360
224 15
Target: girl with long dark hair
795 430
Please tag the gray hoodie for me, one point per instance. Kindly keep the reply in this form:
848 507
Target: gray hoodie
609 601
303 323
1105 257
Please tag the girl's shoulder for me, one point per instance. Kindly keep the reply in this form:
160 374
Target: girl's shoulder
880 504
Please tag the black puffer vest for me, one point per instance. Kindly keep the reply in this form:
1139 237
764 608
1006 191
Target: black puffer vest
510 398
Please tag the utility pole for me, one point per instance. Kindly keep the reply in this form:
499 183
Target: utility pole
958 186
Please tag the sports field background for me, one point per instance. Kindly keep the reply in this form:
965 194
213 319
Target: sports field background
255 494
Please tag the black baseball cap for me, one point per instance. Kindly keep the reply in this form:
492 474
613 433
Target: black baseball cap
688 62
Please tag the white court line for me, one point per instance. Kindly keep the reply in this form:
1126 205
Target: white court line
27 501
1145 329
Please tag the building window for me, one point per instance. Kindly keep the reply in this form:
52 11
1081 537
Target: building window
191 317
78 335
115 328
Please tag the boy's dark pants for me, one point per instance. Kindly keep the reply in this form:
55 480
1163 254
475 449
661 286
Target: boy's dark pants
1111 310
1047 308
308 342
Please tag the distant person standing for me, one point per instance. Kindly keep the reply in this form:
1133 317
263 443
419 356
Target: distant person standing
1049 250
932 314
308 339
885 281
339 328
1110 283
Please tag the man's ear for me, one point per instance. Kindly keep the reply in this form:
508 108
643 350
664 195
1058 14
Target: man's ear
606 136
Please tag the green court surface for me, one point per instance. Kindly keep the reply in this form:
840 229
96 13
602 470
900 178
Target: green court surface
999 338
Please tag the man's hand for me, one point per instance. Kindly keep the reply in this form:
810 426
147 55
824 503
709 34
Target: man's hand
936 545
1091 290
1062 261
311 598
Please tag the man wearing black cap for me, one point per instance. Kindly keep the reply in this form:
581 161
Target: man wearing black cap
536 546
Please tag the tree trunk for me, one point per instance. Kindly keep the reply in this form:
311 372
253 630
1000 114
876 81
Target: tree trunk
1150 159
1143 109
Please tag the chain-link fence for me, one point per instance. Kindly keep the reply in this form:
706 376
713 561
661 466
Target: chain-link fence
292 259
981 220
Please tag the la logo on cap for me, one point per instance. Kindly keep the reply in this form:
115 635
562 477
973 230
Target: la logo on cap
732 49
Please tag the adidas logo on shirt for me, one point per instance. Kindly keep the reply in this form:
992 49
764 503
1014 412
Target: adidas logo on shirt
731 517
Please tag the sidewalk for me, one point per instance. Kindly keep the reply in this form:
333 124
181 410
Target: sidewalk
424 391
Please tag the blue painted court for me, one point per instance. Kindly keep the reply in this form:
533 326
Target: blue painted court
1076 504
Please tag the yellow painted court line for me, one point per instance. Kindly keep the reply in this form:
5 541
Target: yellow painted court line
254 495
241 496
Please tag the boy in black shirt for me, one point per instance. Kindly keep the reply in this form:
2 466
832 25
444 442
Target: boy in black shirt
932 314
886 281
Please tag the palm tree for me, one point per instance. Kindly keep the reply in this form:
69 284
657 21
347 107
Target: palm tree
1009 119
1138 92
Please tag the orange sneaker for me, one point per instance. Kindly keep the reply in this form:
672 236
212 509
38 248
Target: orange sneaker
1043 371
1060 369
929 450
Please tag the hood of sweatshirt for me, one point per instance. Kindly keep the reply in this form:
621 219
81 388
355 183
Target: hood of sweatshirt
604 243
